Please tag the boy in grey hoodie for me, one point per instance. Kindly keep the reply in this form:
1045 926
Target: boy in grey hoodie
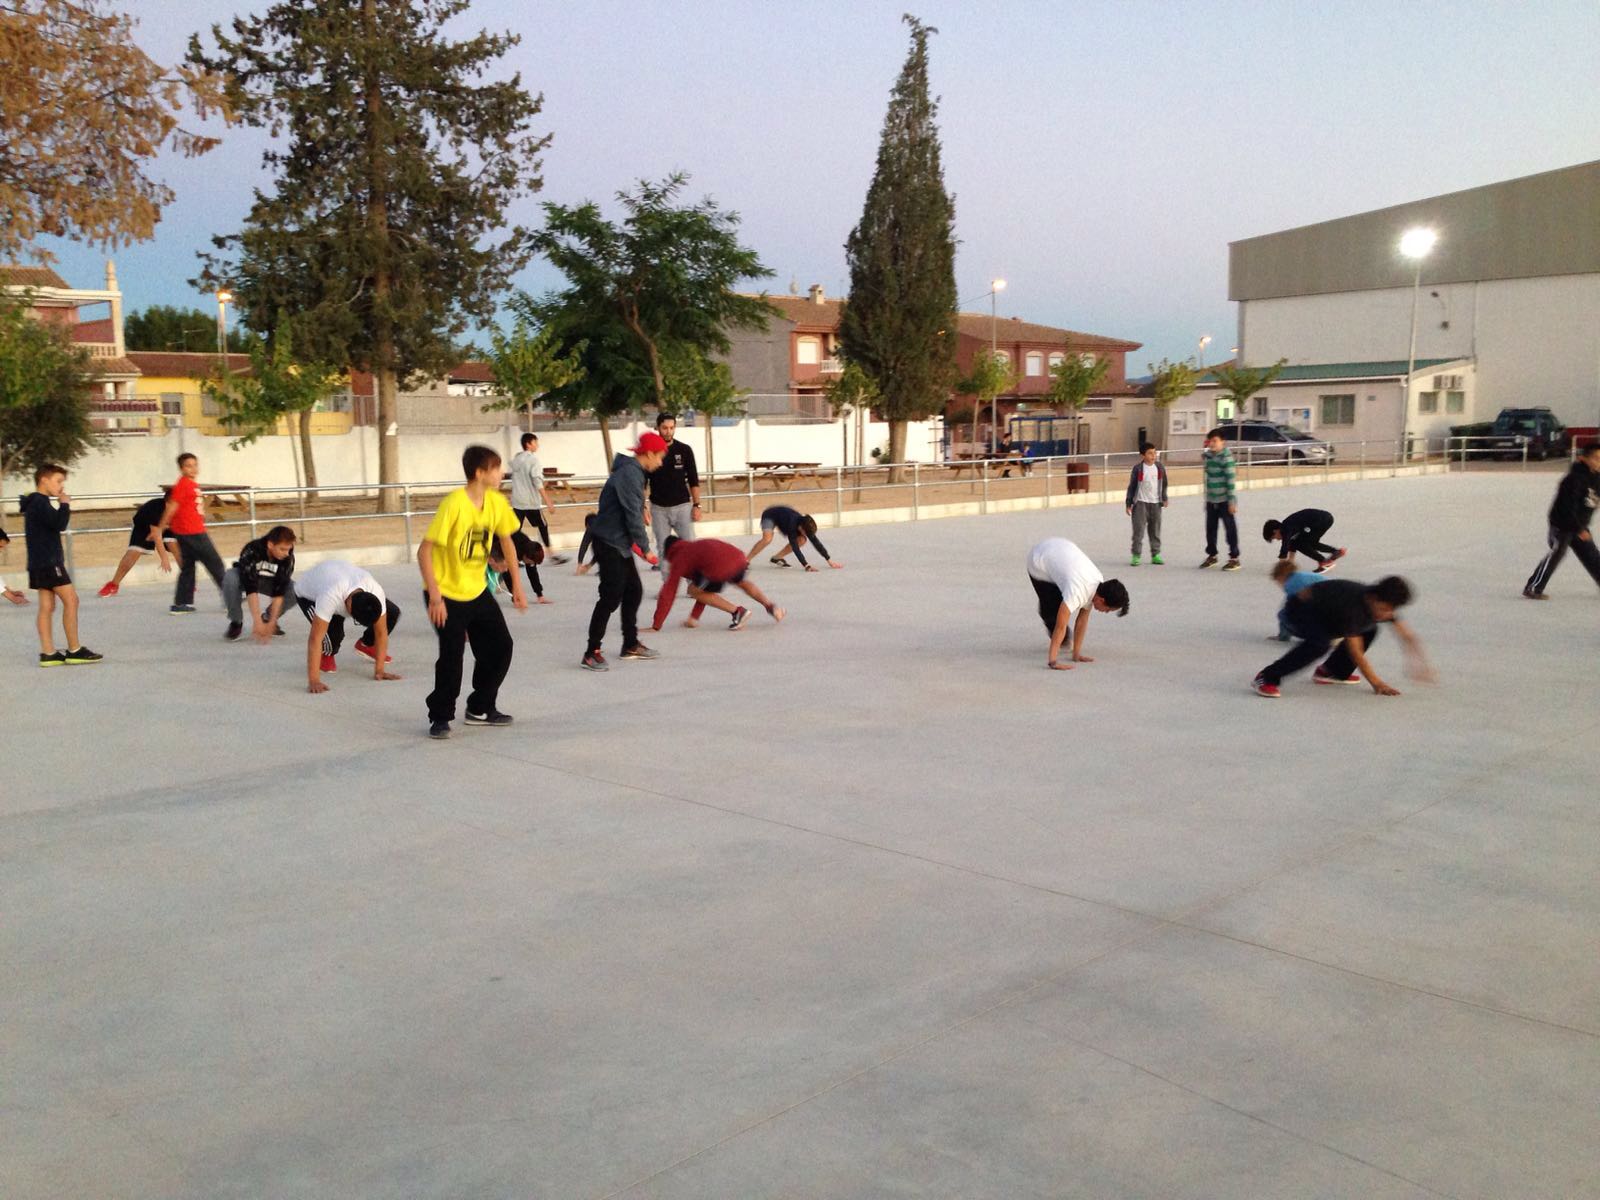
619 532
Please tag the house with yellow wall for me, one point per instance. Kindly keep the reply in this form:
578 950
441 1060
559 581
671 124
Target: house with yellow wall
174 379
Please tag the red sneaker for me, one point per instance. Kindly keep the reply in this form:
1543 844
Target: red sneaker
371 652
110 589
1263 688
329 666
1320 676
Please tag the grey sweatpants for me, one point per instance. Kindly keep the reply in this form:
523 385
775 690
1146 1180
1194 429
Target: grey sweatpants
233 597
1146 516
677 519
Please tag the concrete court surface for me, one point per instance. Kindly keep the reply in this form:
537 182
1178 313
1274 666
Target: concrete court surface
869 904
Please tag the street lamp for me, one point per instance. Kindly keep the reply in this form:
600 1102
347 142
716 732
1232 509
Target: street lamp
1415 244
224 298
1205 340
996 286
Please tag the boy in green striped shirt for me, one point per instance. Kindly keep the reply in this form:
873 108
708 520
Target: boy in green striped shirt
1221 501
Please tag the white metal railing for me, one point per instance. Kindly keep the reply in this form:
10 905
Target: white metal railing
100 349
831 366
912 486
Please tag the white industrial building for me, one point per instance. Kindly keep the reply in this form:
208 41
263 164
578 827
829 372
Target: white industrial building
1512 287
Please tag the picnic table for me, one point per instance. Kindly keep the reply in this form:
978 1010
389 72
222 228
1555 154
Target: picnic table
784 472
558 479
236 494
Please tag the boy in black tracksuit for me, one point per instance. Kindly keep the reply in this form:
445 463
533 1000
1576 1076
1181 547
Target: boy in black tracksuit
1570 515
1301 533
797 528
265 569
45 514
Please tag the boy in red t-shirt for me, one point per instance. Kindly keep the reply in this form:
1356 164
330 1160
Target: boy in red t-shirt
185 518
709 565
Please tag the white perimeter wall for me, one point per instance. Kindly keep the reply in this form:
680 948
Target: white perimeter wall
141 464
1536 341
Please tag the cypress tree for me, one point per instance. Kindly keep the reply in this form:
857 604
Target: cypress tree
899 324
397 163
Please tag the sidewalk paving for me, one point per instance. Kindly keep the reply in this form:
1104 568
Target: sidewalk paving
865 904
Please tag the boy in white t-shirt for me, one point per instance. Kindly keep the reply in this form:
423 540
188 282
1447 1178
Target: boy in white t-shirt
328 593
1065 582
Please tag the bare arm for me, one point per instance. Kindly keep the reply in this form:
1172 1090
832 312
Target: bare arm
430 583
380 649
167 513
1357 647
1078 630
1417 667
1058 635
319 630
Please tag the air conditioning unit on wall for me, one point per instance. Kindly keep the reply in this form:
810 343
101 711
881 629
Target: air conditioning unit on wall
1446 383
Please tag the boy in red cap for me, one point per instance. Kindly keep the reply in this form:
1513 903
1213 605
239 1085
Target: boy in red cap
619 533
709 565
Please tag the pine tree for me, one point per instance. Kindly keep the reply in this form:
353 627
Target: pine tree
899 322
399 166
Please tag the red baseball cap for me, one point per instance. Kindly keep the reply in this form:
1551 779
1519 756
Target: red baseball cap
651 443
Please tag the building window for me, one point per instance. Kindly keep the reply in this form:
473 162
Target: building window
1338 410
1261 406
1189 421
1034 363
1455 402
1057 358
1003 357
1428 402
808 351
1086 359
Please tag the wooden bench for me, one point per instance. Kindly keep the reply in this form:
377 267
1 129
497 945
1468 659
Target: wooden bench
237 494
783 474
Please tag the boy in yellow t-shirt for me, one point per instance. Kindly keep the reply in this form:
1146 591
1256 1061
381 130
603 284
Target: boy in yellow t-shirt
453 555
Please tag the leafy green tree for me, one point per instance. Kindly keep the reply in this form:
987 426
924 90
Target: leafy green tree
1074 377
899 323
991 375
44 393
611 377
1240 383
694 380
278 386
528 363
83 111
853 393
383 234
1172 381
660 281
165 327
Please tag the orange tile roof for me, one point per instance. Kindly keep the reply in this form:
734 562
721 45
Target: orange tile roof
1015 329
179 365
16 275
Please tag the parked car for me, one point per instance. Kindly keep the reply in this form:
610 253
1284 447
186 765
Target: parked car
1269 442
1536 428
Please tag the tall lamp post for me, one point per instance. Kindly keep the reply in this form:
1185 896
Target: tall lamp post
996 286
1415 244
1205 340
224 298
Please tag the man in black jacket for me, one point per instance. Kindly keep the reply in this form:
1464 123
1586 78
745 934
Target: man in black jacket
1570 515
1302 533
1340 619
265 568
674 488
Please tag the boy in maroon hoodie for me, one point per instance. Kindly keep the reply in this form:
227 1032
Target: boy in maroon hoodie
709 565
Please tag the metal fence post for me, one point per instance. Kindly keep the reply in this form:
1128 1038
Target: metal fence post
71 562
1363 474
749 501
838 497
916 491
983 505
1524 454
252 495
406 496
1047 463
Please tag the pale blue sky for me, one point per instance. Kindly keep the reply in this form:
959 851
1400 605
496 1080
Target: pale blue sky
1102 153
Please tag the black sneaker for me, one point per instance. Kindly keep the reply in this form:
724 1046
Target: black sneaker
492 717
639 650
439 730
1231 565
235 628
1530 594
181 610
57 659
740 616
277 631
560 560
82 656
778 562
1211 561
595 661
